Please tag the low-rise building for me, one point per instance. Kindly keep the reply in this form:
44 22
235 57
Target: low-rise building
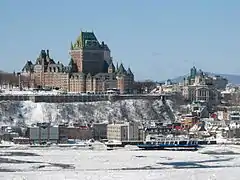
7 133
117 132
99 131
234 116
81 133
223 115
123 132
189 121
43 133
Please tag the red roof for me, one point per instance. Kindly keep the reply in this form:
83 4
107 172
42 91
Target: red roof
178 127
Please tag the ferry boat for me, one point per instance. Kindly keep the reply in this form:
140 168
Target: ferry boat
161 143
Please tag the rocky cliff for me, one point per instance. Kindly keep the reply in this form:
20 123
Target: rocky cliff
27 113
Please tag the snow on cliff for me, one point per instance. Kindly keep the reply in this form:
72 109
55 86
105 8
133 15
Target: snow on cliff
27 112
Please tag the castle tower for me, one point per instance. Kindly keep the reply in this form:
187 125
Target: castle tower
88 54
106 53
121 78
111 68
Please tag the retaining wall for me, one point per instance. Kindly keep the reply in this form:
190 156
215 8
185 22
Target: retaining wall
77 98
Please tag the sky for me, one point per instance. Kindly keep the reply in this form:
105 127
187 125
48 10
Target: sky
158 39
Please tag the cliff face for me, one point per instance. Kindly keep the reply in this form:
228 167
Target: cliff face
27 113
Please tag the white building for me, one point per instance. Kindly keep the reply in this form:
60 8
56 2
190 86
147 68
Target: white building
128 131
117 132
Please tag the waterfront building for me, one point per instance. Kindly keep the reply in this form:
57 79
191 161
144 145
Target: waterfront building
43 133
128 131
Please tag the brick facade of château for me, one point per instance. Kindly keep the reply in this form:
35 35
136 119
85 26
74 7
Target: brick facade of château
91 69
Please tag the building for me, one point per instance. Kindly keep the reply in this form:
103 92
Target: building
90 69
99 131
133 131
80 133
117 132
199 109
7 133
124 132
199 86
234 116
223 115
189 121
43 133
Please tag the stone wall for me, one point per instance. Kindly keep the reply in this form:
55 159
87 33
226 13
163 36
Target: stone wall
78 98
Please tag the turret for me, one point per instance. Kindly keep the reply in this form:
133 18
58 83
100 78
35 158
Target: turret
72 66
129 72
121 69
111 68
71 48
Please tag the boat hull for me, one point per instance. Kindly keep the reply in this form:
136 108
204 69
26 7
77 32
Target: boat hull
168 147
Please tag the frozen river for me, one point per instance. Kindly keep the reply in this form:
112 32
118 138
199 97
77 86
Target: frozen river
213 162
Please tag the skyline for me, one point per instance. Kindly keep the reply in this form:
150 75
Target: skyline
158 40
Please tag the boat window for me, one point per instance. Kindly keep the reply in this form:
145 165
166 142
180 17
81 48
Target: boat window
183 142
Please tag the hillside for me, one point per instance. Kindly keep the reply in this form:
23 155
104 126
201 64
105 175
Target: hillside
27 113
232 78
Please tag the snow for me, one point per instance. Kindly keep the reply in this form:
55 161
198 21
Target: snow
221 149
126 163
14 92
27 112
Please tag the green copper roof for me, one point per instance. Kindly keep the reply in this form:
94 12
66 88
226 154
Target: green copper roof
71 46
129 71
86 40
121 69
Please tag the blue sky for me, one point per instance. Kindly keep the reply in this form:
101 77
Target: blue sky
158 39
